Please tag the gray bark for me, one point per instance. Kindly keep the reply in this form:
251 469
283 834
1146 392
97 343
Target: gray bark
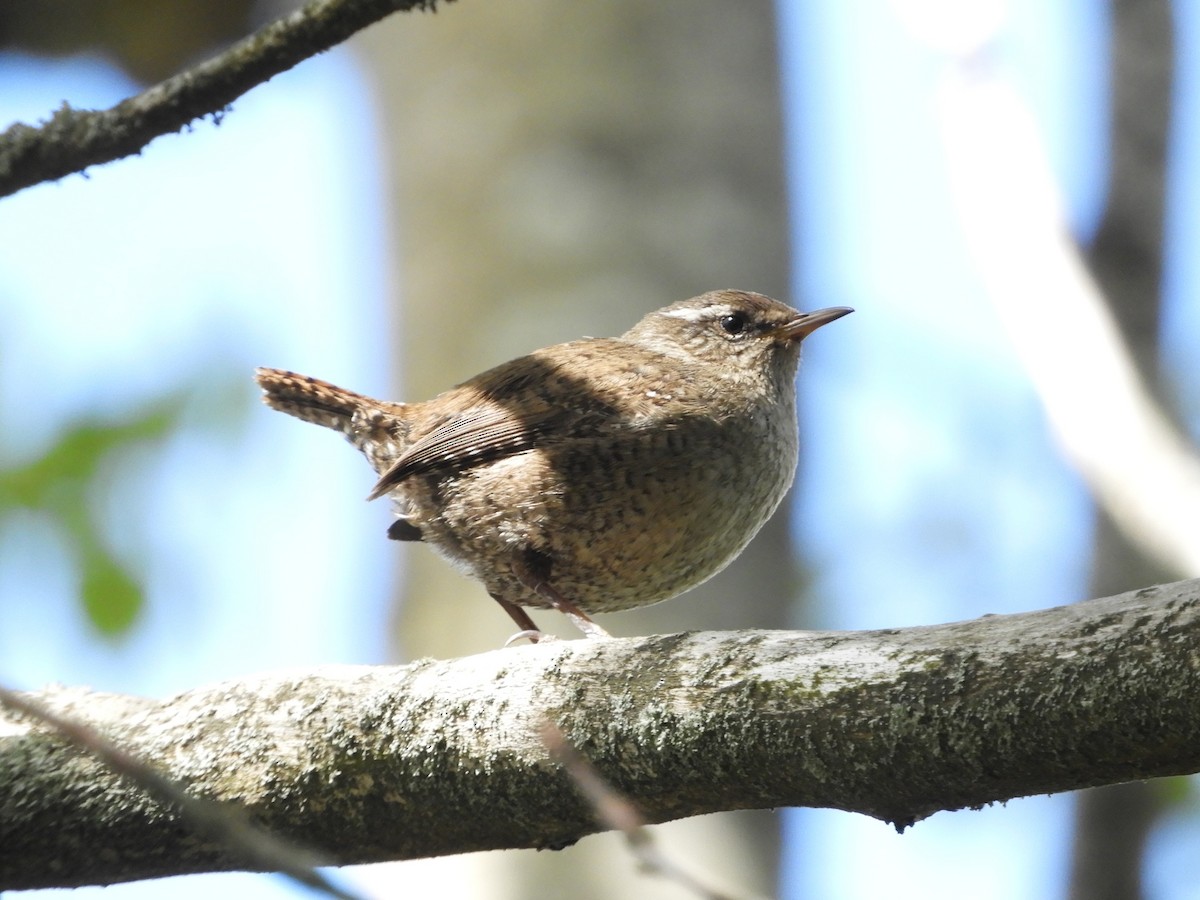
441 757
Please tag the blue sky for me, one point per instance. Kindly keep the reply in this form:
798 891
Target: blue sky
933 489
118 288
939 494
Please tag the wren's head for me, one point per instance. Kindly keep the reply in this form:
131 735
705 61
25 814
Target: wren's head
736 330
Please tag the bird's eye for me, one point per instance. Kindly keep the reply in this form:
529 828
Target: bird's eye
734 323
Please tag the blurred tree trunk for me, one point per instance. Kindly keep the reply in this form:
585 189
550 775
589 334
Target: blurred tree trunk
1112 824
561 169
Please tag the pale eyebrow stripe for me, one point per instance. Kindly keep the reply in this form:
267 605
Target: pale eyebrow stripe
692 315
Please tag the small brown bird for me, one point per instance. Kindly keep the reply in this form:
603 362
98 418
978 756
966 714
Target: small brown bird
596 475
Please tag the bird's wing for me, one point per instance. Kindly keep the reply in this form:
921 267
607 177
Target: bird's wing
515 407
561 393
472 437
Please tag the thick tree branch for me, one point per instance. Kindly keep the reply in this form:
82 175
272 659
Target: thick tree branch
225 824
74 139
369 764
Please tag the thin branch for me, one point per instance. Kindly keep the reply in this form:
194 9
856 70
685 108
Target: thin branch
222 822
617 812
71 140
368 764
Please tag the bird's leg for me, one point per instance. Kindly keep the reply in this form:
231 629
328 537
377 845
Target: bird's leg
528 627
532 569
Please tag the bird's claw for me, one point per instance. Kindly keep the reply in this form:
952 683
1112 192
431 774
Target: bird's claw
534 636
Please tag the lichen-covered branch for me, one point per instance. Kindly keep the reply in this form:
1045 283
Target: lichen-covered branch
71 140
368 764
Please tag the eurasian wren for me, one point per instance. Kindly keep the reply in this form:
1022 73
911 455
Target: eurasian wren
596 475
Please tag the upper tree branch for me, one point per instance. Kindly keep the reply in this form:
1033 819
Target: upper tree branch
74 139
370 764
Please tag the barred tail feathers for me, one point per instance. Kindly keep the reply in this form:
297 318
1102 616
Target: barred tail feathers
367 423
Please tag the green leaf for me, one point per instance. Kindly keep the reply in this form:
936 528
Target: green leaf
59 483
111 597
61 473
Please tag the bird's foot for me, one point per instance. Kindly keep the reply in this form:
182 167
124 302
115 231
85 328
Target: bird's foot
589 628
532 569
533 635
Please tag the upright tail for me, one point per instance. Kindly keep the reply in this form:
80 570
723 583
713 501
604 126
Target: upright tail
371 425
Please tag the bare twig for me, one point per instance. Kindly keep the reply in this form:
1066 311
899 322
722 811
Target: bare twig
617 812
71 140
221 822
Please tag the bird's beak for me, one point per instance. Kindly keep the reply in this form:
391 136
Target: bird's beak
806 323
